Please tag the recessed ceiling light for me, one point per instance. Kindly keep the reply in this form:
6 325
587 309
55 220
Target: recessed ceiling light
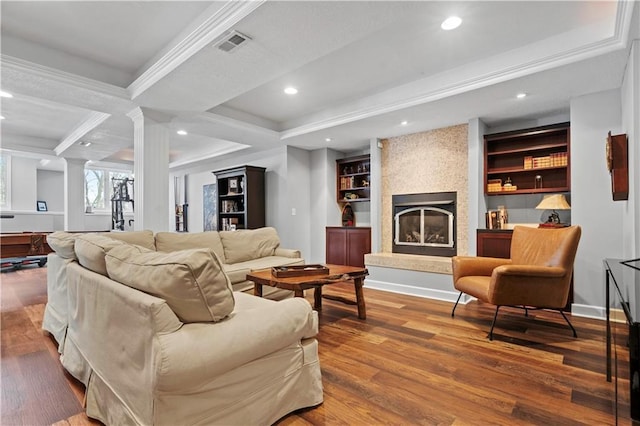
4 94
290 90
84 143
182 132
404 123
327 139
452 22
1 117
521 95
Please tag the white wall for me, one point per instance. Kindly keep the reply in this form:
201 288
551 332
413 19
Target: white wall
323 206
50 188
24 182
287 182
592 208
631 126
298 182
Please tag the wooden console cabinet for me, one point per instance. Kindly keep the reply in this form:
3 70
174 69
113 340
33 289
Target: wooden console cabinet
494 243
347 245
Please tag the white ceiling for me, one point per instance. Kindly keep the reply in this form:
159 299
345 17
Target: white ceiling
361 67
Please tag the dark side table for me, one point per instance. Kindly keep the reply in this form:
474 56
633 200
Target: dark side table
622 280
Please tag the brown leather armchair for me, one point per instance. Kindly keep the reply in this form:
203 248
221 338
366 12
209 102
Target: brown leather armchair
538 275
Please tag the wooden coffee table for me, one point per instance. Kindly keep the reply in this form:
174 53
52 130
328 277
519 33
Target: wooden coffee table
337 273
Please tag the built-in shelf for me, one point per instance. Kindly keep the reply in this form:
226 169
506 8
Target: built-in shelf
353 179
528 161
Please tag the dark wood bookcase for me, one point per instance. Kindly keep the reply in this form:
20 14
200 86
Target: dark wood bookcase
534 160
241 200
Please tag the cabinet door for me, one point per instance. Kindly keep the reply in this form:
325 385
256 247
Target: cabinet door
494 243
336 251
358 244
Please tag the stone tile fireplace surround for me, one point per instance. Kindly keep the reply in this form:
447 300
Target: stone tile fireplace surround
428 162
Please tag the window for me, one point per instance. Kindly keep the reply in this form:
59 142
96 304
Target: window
5 181
98 184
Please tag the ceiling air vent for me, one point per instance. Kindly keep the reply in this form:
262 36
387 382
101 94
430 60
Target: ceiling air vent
232 41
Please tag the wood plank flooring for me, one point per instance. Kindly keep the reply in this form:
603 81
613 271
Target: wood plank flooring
408 363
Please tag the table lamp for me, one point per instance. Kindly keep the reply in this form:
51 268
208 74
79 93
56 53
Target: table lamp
553 202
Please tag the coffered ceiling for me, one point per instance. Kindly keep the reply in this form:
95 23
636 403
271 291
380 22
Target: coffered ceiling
75 69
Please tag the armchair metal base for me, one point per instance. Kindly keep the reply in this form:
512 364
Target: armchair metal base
526 312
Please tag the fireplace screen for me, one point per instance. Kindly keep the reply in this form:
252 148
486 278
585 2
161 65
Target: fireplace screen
424 226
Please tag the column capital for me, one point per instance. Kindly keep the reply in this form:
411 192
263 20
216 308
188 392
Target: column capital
139 114
75 161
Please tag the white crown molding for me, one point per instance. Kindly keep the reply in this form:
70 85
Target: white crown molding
202 157
238 125
460 85
10 63
18 146
93 120
216 25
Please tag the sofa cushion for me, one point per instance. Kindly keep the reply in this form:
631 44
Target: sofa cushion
237 272
91 250
248 244
140 238
63 244
174 241
191 281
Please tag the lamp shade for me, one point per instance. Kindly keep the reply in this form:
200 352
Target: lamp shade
553 202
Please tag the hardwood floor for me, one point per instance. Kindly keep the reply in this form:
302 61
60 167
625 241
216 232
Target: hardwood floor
409 362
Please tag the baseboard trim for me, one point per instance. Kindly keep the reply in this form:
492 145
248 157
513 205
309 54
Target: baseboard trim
588 311
427 293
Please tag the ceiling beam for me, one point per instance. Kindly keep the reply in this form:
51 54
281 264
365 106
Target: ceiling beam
93 120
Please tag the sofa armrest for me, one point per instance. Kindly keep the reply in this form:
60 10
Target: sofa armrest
199 352
287 252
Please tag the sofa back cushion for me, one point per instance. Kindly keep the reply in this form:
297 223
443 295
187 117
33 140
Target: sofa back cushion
174 241
248 244
140 238
91 249
191 281
63 244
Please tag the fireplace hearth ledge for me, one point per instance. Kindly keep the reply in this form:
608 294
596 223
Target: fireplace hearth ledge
412 262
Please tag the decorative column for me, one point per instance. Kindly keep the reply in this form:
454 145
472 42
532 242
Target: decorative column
74 194
375 182
151 169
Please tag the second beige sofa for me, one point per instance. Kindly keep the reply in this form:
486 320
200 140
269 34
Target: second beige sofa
161 338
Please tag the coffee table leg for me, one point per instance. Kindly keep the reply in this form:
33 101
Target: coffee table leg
362 309
257 289
298 293
317 298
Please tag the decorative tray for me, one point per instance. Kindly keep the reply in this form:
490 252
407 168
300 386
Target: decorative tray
299 270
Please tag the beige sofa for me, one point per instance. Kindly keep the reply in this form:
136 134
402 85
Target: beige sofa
161 338
240 252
